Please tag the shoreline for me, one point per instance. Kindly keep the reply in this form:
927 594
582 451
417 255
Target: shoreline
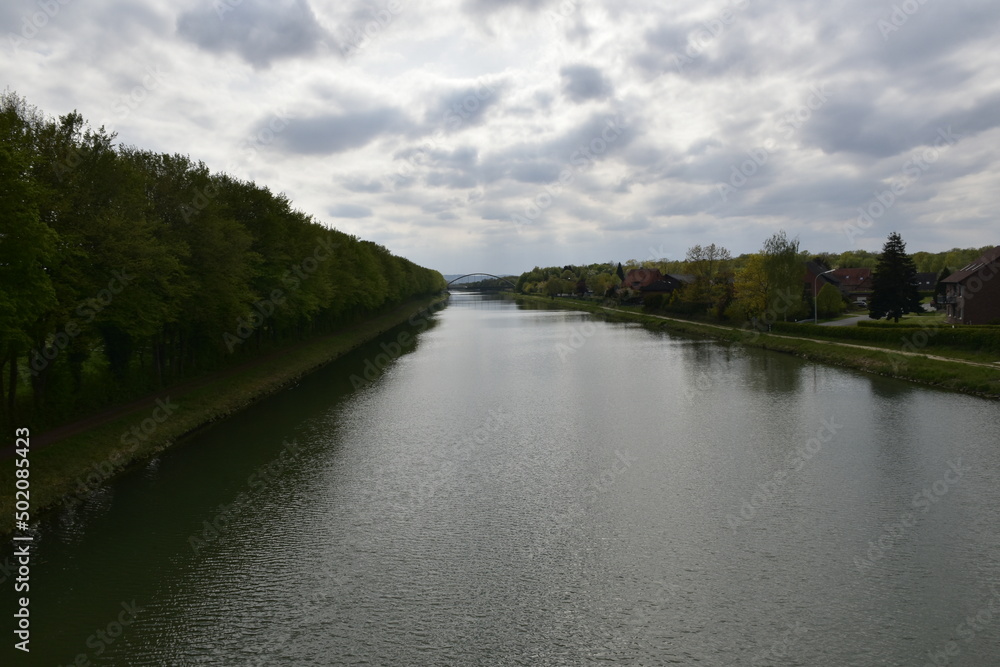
973 378
66 471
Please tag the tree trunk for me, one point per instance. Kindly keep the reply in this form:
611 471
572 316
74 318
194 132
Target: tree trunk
158 360
2 363
12 392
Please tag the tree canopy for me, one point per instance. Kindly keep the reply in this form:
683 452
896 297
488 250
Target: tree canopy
142 268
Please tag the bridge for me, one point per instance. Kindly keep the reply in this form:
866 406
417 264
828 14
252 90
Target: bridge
490 275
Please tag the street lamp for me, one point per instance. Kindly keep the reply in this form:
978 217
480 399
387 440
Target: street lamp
815 310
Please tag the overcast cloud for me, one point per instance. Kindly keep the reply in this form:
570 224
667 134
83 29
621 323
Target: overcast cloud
491 135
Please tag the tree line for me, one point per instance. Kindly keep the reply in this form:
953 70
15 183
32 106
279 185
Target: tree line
768 283
123 270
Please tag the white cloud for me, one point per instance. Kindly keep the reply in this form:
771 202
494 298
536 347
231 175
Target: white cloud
432 128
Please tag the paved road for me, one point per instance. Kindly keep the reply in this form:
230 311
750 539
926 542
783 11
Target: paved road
846 322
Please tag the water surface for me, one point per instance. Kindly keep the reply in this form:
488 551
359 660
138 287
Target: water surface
538 487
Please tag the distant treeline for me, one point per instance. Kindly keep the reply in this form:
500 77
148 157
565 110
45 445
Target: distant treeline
123 270
743 288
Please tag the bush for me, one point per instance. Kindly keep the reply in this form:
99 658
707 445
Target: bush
652 302
829 301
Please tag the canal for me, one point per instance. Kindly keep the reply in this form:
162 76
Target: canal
526 486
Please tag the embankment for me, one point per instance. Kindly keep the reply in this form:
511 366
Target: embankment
87 454
972 377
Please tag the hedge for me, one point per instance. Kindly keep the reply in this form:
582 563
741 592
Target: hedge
977 339
910 324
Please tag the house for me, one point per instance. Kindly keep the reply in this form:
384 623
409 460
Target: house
667 284
855 284
638 278
815 277
972 294
651 281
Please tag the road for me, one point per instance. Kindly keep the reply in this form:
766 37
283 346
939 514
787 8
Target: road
846 322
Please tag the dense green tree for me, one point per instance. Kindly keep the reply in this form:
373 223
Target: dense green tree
122 270
894 288
829 301
784 268
750 289
27 247
711 267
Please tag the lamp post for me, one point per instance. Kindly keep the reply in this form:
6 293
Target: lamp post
815 309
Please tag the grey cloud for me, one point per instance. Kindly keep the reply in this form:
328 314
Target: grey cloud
460 179
350 211
542 171
463 157
494 211
983 114
363 185
631 223
861 124
463 107
933 31
335 133
439 205
584 82
592 140
702 145
484 7
662 44
576 149
450 169
260 31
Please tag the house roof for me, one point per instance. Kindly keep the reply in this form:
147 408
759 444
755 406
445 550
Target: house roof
988 257
641 277
682 277
659 286
853 278
813 270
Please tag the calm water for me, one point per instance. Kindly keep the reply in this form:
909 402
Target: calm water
535 487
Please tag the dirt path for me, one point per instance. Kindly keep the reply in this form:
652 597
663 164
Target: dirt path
994 365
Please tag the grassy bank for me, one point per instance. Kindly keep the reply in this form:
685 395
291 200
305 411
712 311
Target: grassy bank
64 472
954 374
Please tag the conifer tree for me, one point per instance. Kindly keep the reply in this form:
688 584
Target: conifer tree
894 285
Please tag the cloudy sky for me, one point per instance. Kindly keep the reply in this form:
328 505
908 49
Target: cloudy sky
493 135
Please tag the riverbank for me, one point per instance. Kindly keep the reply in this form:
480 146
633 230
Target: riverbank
88 454
970 377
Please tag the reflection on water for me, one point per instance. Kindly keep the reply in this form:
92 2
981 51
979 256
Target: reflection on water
534 487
